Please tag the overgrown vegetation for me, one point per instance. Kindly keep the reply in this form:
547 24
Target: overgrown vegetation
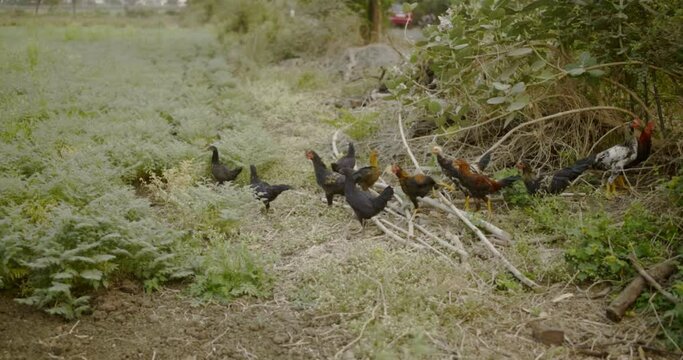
80 139
511 62
524 60
261 31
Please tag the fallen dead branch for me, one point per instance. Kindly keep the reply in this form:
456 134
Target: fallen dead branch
425 244
650 280
461 215
393 235
508 265
616 309
494 230
460 250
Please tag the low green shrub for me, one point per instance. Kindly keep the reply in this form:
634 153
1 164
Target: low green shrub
231 271
356 125
269 31
600 249
54 253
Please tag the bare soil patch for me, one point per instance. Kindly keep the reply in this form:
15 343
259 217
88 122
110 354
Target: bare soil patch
129 324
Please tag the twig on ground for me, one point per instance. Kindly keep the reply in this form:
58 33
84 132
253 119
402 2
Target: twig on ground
568 194
458 250
362 330
651 280
425 244
494 230
661 326
381 292
461 252
411 225
393 235
74 327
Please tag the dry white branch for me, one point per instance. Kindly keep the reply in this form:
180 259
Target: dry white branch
563 113
494 230
393 235
650 280
508 265
362 330
425 244
405 142
335 151
458 250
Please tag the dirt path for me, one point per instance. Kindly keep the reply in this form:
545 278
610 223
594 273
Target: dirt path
165 325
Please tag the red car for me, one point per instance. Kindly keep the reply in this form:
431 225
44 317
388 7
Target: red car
398 17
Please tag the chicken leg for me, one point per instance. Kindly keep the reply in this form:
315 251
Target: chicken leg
620 183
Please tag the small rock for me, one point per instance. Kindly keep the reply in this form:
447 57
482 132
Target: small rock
57 349
280 338
348 355
255 326
547 335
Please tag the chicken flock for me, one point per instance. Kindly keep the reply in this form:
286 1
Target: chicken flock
342 179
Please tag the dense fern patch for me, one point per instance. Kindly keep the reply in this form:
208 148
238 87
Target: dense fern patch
95 134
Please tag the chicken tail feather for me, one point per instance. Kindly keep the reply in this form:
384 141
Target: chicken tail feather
381 201
508 180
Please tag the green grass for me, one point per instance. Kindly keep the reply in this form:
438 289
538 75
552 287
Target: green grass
91 113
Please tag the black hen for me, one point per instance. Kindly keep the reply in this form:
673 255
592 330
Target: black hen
364 204
348 161
221 172
556 182
266 192
331 182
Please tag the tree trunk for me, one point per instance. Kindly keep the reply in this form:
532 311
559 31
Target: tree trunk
375 20
73 7
38 6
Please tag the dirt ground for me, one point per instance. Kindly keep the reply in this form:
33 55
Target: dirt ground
129 324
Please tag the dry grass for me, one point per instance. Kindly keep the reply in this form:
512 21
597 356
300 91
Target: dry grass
386 300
